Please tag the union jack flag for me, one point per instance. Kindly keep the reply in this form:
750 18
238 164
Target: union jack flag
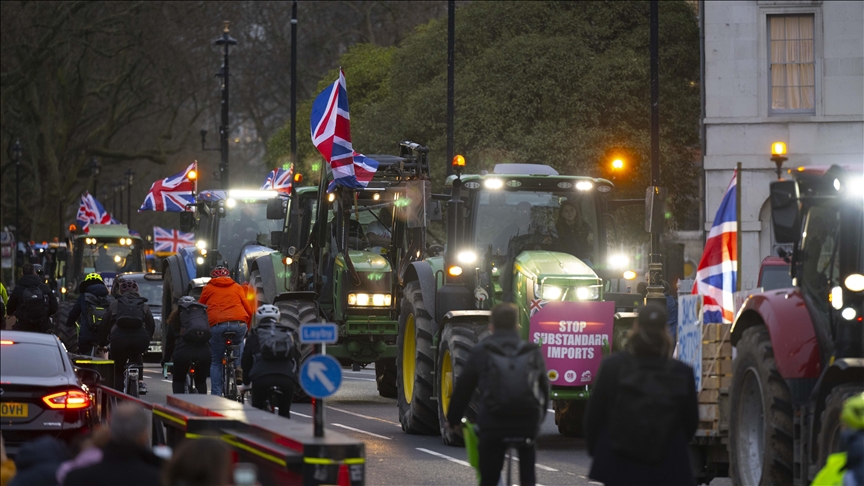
535 306
331 134
171 240
171 194
717 273
91 212
279 179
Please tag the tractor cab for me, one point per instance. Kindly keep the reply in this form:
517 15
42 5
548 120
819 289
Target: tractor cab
106 249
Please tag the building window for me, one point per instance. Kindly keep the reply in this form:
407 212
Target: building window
792 64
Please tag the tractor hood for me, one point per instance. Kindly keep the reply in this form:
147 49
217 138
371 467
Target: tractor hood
365 261
552 264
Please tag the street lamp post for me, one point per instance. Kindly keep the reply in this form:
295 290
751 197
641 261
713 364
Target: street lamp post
451 82
294 84
129 176
95 169
655 267
120 185
16 157
225 41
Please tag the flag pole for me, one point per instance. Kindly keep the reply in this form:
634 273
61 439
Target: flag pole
738 227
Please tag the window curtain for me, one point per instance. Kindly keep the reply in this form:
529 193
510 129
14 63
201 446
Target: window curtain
793 66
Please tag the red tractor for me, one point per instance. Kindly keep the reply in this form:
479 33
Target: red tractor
799 349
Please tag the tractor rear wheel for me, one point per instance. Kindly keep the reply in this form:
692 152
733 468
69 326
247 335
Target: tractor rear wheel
453 352
68 335
415 365
385 376
830 424
257 283
568 416
760 422
295 313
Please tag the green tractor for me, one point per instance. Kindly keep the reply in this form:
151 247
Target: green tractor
331 265
526 235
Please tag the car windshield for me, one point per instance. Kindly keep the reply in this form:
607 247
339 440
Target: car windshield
150 290
30 360
245 223
111 257
776 277
564 222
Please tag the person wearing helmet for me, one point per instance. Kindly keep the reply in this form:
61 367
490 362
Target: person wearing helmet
128 326
271 359
852 438
31 302
88 312
187 340
228 309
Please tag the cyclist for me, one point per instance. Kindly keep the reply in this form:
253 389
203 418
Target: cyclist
93 301
227 310
32 302
128 325
270 359
188 340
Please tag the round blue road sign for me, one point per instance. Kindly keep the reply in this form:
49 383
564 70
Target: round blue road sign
320 376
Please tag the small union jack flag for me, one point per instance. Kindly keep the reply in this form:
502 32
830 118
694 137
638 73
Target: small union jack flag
331 135
279 179
717 273
171 194
535 305
171 240
91 212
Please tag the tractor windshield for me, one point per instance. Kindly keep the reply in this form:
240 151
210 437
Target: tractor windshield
111 257
244 223
565 222
820 265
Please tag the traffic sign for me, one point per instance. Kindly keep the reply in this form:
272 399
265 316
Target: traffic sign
319 332
320 376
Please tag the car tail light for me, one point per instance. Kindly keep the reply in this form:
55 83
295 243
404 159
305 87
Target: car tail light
70 399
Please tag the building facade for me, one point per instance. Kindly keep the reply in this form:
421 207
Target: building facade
778 70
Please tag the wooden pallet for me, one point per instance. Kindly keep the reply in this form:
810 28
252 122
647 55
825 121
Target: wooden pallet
716 374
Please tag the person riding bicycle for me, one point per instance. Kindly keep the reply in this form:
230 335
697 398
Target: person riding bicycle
31 302
271 359
89 311
128 325
188 340
228 310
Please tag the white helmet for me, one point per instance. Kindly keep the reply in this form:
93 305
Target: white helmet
186 300
267 310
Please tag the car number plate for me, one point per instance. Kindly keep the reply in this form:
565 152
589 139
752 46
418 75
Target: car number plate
13 410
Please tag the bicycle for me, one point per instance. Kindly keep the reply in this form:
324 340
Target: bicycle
130 380
273 395
229 380
189 385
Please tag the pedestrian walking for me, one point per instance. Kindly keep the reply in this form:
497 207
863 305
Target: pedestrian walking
31 302
271 359
129 326
643 410
187 340
228 309
37 461
514 396
187 469
88 311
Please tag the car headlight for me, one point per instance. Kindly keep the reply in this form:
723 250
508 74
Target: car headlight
567 293
370 300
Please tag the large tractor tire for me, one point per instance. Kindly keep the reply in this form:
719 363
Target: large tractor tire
295 313
257 283
68 335
415 365
760 424
828 440
453 352
568 416
385 377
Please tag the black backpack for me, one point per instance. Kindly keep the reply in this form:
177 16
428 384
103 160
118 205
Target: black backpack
194 326
276 340
130 312
33 307
512 381
94 311
646 409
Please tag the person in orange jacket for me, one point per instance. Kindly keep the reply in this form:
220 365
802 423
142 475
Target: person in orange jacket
227 310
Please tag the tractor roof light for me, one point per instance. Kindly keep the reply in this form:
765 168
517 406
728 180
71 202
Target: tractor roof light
458 163
855 282
584 186
252 194
298 178
192 175
493 184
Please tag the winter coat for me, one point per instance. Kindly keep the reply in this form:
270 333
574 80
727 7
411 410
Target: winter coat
97 289
37 461
611 468
110 329
122 463
473 375
226 301
255 366
176 346
18 295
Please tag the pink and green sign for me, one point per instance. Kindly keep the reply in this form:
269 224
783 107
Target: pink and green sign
574 337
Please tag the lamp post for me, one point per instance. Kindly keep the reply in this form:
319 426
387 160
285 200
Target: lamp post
451 82
294 84
778 156
655 267
95 168
16 157
120 185
129 177
225 41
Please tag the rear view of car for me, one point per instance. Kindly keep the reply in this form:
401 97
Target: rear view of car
40 393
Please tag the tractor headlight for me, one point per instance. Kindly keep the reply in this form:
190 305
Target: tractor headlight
551 292
466 257
201 244
567 293
200 260
370 300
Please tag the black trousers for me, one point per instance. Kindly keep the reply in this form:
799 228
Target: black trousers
491 452
129 348
182 358
261 388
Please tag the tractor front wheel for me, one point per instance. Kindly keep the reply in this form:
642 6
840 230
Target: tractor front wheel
453 352
415 365
295 313
568 416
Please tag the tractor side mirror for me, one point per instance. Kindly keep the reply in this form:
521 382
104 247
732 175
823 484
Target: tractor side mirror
276 208
435 212
187 222
785 211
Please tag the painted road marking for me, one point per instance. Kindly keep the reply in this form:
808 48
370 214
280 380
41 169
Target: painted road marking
444 456
362 431
540 466
168 381
363 416
301 414
358 379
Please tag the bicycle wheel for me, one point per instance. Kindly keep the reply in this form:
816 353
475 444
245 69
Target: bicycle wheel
229 385
132 383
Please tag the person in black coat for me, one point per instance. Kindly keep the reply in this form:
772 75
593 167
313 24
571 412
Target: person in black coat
34 323
574 234
38 461
264 374
493 429
182 353
96 289
610 434
127 343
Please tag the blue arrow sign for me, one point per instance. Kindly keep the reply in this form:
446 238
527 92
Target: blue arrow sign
320 376
317 333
